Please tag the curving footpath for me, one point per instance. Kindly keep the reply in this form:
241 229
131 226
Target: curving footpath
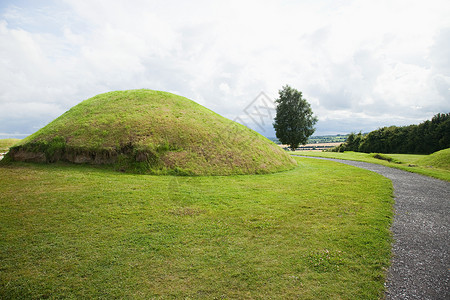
420 266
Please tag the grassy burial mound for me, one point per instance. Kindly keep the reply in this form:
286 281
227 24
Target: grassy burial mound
154 132
439 159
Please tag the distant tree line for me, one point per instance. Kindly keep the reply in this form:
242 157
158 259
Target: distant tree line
425 138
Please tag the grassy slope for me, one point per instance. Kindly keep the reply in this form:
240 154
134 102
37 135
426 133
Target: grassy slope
435 165
315 232
5 144
439 159
180 133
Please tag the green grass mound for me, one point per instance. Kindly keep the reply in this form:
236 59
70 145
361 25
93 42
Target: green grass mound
439 159
153 132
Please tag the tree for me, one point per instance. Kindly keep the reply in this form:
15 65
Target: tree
352 143
294 120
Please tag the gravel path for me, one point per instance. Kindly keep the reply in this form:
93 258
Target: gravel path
420 267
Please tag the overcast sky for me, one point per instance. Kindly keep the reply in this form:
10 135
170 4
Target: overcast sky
361 64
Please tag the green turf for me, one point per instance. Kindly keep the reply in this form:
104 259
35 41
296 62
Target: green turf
5 144
409 159
319 231
439 159
435 165
154 132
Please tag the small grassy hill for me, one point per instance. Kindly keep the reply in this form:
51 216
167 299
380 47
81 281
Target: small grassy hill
439 159
154 132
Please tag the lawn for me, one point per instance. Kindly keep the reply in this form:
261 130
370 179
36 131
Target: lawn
319 231
5 144
436 165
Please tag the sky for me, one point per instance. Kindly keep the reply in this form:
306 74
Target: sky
361 65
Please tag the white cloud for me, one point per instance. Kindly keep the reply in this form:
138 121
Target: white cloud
359 63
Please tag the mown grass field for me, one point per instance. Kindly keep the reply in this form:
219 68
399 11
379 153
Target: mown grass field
6 143
319 231
436 165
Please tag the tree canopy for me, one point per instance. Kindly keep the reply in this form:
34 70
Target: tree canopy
294 120
427 137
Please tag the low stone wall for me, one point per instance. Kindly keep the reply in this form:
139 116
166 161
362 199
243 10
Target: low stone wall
74 156
80 156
